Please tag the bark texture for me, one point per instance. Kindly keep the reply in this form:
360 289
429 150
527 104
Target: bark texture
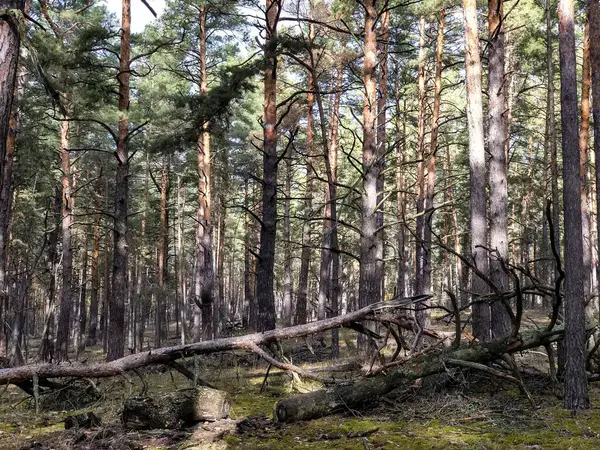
371 245
66 299
204 260
498 180
265 295
118 299
10 43
576 389
594 18
477 205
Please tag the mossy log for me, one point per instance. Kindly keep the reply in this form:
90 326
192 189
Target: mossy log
176 409
366 390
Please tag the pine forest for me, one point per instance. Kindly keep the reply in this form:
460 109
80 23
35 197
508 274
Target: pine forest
323 224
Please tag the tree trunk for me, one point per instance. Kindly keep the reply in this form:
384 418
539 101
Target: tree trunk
9 56
498 180
181 261
366 390
382 88
265 295
47 344
116 335
428 207
400 197
584 135
576 389
287 242
594 14
478 225
371 245
66 301
161 328
82 307
249 306
305 256
204 289
419 279
95 277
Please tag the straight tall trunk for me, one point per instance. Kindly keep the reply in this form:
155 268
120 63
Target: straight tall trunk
330 264
497 176
116 335
332 159
576 388
302 295
265 272
400 197
477 205
204 288
161 328
287 238
95 279
82 317
9 55
47 344
371 245
550 134
181 261
382 50
423 314
66 301
419 278
594 18
142 301
249 306
584 135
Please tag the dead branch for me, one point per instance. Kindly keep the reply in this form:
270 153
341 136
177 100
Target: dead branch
167 354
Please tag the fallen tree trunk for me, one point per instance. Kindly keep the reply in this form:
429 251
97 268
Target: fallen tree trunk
362 391
166 355
176 409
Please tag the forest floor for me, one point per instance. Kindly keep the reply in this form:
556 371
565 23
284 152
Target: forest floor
454 410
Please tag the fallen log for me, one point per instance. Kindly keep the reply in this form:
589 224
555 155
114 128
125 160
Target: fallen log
365 390
176 409
166 355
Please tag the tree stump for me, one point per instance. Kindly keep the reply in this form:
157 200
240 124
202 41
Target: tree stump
177 409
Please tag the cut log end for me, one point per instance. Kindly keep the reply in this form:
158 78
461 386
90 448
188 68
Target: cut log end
177 409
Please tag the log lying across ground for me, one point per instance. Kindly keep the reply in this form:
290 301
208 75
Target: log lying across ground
166 355
364 390
176 409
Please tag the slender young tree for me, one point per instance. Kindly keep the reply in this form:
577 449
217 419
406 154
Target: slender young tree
429 175
576 388
478 222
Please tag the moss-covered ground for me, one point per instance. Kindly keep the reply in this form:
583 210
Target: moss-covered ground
453 410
